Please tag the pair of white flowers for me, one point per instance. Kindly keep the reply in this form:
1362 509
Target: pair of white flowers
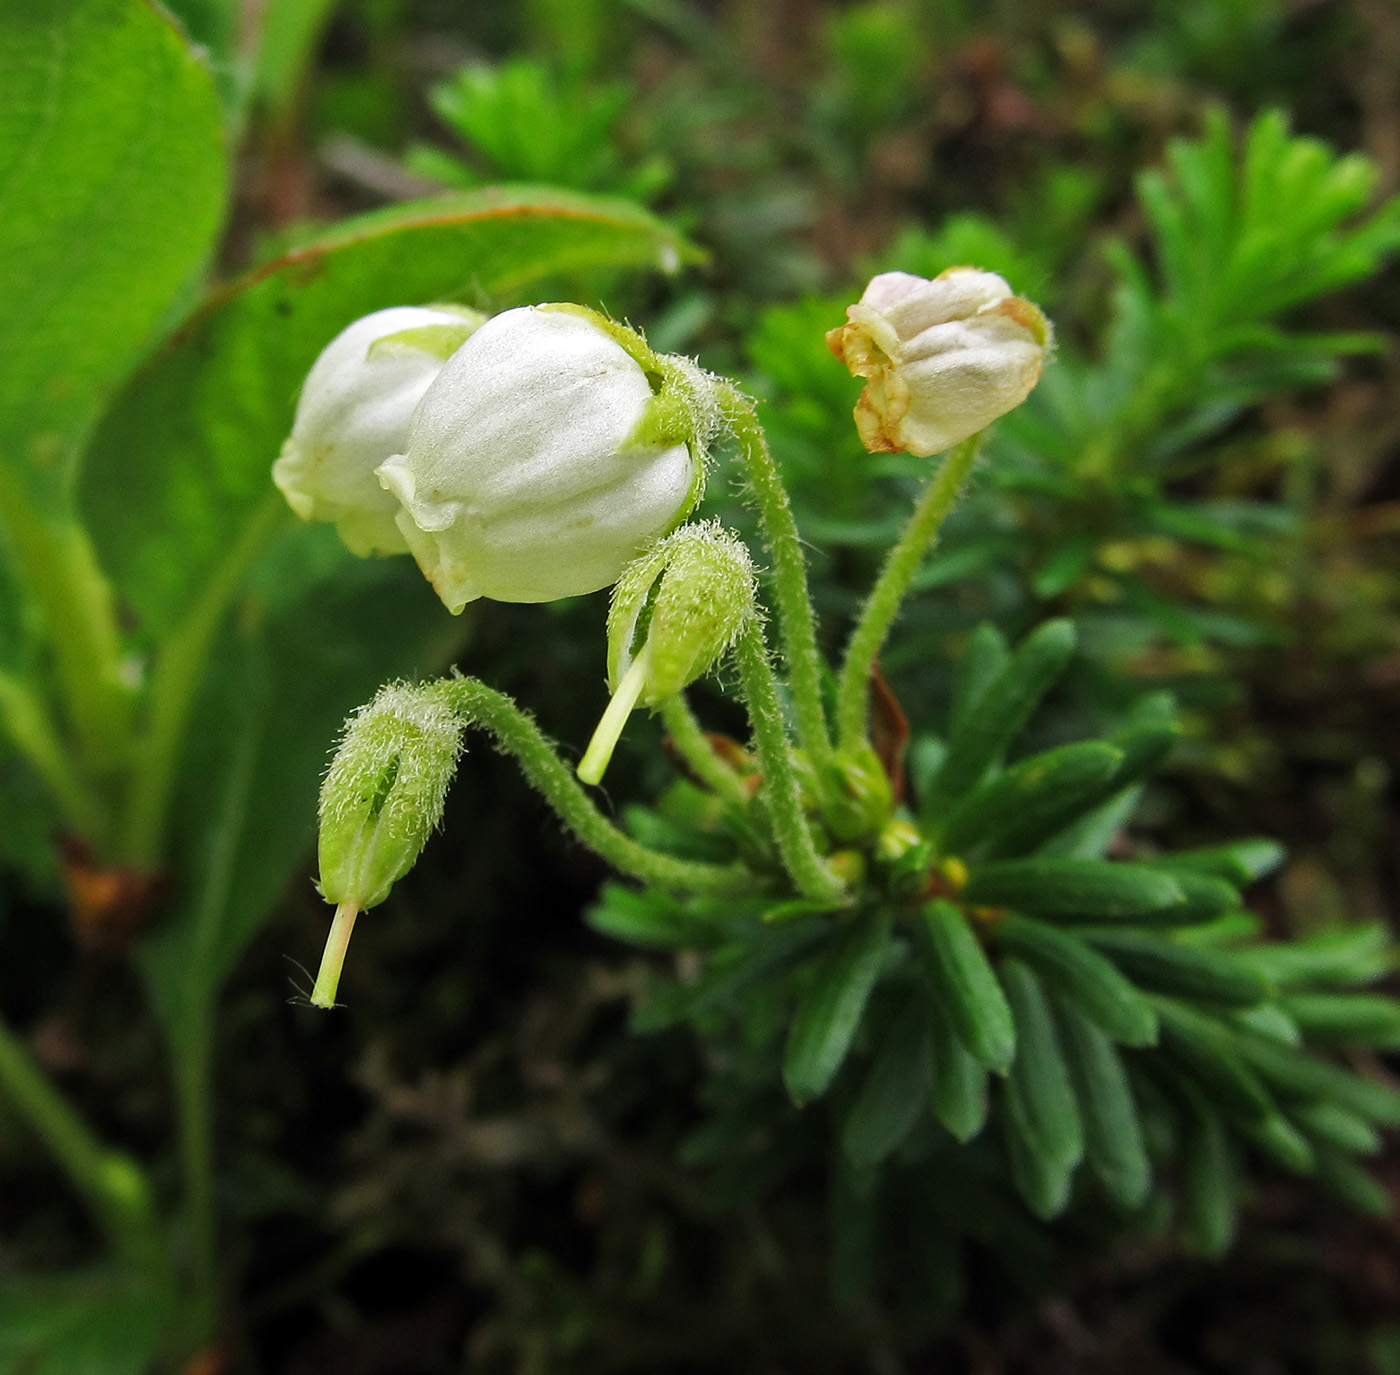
533 455
524 457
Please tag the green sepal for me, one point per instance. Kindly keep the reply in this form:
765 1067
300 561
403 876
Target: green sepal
960 1098
1074 889
1346 1019
438 341
1033 799
830 1007
1040 1099
1113 1142
1209 1188
1156 963
1087 980
967 985
894 1090
988 727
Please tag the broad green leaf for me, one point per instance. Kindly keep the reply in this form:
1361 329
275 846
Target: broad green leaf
183 458
95 1322
112 185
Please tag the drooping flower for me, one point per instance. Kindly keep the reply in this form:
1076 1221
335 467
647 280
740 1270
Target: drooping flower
942 359
552 448
354 412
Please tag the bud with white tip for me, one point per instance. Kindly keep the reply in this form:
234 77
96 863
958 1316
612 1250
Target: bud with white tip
676 611
942 359
552 449
354 412
381 799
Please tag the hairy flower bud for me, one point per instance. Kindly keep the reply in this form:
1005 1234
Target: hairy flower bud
676 611
942 359
381 799
552 448
353 413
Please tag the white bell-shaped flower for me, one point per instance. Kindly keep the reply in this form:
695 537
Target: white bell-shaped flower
354 412
942 359
552 448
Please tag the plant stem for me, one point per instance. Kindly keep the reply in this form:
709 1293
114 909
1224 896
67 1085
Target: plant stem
882 606
25 718
796 620
688 737
194 1099
516 734
114 1186
175 684
780 790
58 567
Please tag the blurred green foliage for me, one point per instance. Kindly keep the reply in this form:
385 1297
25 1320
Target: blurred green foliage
1205 484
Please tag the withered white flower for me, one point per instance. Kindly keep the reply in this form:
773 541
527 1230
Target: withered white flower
942 359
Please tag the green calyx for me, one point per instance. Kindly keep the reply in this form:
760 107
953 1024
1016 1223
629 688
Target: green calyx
676 611
684 408
383 794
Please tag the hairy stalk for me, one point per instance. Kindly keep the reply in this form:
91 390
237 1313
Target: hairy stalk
780 791
113 1185
24 717
516 734
688 737
175 684
891 587
796 621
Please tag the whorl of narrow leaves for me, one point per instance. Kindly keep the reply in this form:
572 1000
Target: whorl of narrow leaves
383 793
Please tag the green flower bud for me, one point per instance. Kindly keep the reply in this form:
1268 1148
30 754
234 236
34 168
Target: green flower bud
676 611
354 412
381 799
553 447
